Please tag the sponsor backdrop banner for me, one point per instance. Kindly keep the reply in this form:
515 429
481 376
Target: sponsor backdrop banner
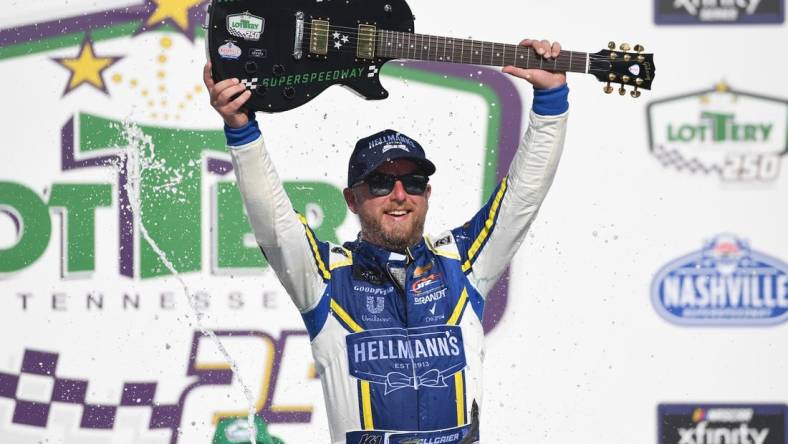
655 273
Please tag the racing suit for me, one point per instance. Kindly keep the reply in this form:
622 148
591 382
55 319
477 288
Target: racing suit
400 357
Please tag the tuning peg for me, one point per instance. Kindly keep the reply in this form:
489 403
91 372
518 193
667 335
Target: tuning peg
638 81
624 47
611 45
635 93
608 89
611 76
622 91
639 48
625 78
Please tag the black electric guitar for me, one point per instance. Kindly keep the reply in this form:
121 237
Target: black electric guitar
288 51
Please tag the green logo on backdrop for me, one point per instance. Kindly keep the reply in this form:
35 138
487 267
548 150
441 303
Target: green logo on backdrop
236 431
171 206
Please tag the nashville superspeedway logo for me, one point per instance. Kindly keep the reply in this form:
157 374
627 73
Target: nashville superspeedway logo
725 283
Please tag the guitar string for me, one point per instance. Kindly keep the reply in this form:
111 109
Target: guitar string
474 43
559 63
354 32
482 53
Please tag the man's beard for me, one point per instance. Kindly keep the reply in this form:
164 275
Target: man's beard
373 232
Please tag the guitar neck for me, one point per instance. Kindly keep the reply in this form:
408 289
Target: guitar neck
406 45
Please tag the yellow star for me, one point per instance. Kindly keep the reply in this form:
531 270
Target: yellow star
86 68
175 10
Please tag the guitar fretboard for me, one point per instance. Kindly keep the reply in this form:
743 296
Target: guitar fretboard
405 45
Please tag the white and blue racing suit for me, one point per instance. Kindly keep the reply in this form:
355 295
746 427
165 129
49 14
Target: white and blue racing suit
400 359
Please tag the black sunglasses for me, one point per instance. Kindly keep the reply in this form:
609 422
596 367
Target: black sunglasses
382 184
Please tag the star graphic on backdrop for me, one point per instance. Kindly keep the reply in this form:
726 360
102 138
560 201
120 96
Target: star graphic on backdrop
86 68
345 39
337 45
179 13
336 35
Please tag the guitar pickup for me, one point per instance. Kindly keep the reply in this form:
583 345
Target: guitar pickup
318 41
365 48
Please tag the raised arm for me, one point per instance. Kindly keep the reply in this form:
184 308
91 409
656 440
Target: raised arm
298 258
490 239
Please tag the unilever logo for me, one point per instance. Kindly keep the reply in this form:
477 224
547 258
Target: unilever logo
406 358
725 283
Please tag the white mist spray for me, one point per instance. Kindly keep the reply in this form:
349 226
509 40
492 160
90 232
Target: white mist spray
140 156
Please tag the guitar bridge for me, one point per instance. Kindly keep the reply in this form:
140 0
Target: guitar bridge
366 42
298 43
318 41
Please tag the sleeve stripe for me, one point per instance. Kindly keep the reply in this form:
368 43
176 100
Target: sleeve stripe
315 252
366 403
345 317
455 316
459 389
488 225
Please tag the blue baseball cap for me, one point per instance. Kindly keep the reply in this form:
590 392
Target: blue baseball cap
373 151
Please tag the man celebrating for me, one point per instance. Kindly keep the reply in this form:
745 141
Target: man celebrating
394 317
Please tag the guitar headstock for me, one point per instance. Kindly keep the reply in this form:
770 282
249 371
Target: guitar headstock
625 68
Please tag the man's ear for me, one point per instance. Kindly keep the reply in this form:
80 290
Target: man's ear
428 192
350 198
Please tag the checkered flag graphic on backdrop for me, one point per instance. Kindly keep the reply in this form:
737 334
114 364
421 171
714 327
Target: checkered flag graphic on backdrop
672 158
36 364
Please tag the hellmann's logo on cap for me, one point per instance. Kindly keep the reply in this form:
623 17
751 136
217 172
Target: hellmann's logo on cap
392 141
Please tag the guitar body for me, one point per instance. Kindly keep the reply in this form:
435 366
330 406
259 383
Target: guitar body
288 51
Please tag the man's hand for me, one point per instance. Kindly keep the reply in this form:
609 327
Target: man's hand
539 78
232 111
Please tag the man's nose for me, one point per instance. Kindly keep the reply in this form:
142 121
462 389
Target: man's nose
398 193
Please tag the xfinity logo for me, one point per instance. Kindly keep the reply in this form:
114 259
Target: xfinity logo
695 7
718 11
705 434
721 424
